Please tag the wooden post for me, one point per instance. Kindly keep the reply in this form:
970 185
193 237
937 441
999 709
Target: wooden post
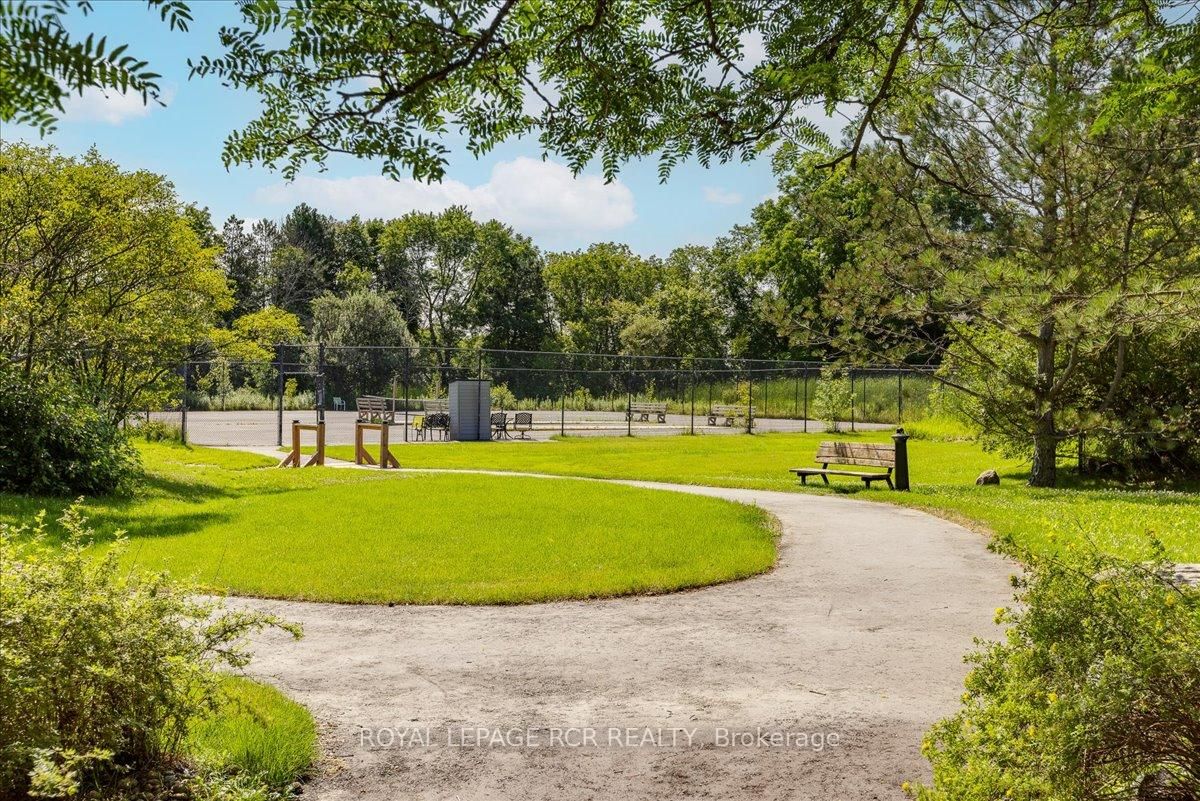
386 459
319 457
363 456
293 457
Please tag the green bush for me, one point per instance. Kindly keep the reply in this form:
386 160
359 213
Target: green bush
247 399
1093 694
101 669
53 443
502 397
833 397
157 431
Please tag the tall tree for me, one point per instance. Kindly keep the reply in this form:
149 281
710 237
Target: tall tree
102 277
511 306
1091 219
294 280
436 254
604 80
594 292
244 259
361 318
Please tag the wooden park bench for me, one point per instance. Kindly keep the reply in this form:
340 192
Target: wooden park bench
859 454
728 415
374 409
644 410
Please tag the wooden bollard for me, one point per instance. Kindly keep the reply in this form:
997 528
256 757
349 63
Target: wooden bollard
293 458
362 456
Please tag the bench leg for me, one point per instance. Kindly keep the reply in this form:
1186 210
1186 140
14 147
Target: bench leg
804 479
825 478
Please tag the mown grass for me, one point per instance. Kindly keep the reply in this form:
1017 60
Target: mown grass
257 733
1119 520
230 522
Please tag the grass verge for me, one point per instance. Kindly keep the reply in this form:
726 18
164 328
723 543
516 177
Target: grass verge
1115 519
258 733
230 522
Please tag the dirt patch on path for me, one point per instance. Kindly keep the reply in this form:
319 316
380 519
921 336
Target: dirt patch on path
855 640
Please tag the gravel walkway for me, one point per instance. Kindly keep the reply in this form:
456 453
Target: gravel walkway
840 658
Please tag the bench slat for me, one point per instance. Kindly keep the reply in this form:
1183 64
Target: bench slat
859 453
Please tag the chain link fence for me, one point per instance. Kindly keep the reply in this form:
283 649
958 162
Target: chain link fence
223 402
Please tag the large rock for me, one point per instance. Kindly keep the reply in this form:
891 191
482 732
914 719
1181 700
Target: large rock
988 477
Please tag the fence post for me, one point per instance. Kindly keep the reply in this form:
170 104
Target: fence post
806 400
853 398
183 405
479 397
628 398
900 398
320 382
796 398
900 473
279 375
692 425
562 408
750 397
766 393
407 359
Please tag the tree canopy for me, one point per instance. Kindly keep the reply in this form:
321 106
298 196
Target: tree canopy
41 63
103 275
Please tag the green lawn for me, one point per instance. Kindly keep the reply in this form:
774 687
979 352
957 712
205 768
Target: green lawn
258 733
232 522
943 475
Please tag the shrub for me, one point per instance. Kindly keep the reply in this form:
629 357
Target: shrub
248 399
101 669
832 397
157 431
502 397
1093 694
52 443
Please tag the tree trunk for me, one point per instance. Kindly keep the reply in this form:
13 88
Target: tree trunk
1045 450
1045 435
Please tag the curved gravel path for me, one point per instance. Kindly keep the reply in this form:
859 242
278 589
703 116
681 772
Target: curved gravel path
845 653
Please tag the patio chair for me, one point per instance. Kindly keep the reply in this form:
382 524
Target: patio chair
418 426
440 422
500 426
339 405
523 423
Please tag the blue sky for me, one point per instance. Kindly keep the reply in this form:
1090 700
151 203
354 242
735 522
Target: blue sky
183 141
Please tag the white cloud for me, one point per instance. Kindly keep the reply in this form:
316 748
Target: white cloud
111 108
533 196
723 197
